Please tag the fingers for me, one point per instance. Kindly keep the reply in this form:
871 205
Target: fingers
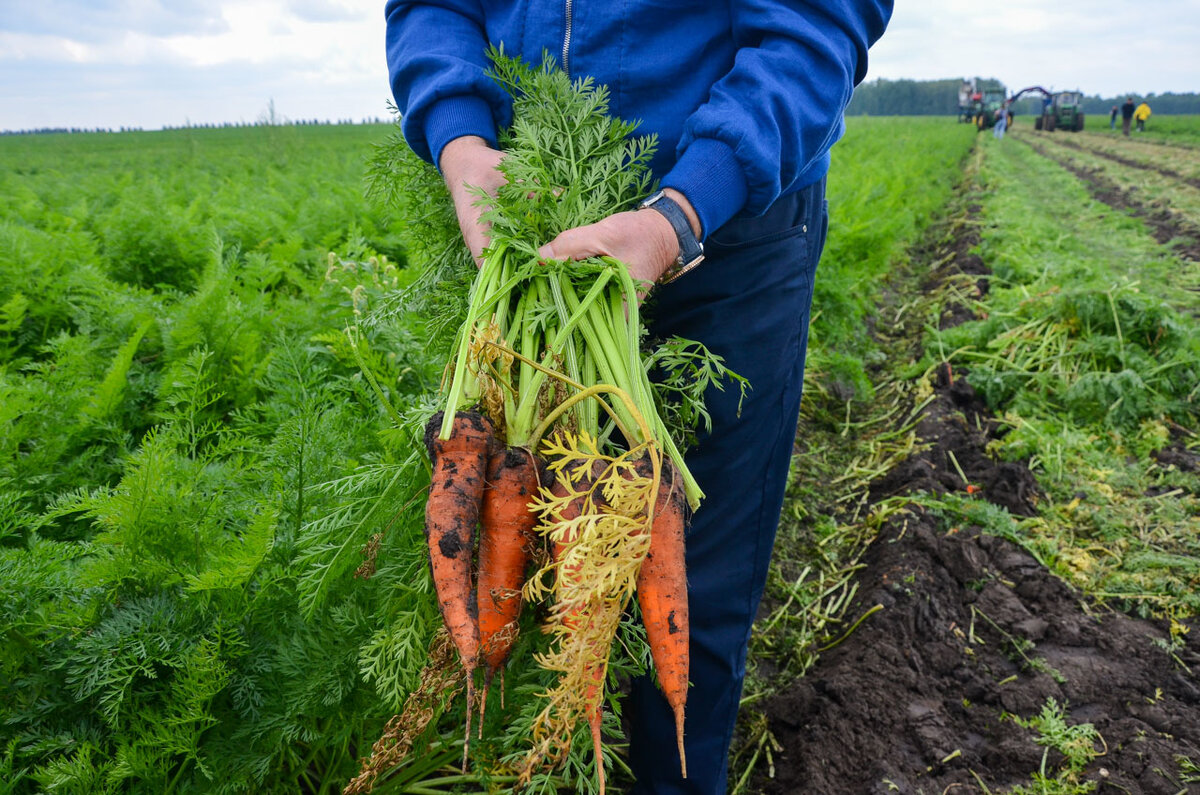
578 243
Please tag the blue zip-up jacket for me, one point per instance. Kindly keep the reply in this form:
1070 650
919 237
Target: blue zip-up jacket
746 96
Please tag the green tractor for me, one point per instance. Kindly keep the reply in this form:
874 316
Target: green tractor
1064 111
987 109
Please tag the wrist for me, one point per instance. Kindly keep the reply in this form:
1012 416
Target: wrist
687 251
688 210
458 149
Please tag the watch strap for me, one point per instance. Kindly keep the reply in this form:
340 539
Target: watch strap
691 250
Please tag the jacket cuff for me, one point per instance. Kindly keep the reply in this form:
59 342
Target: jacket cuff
454 117
708 174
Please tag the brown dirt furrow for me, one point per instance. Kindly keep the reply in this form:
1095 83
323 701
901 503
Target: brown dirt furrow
964 630
1166 226
972 631
1125 161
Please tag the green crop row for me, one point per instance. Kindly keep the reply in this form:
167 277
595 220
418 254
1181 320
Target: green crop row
211 571
890 178
183 428
1181 129
1089 349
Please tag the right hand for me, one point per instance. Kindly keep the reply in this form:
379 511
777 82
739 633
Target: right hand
469 162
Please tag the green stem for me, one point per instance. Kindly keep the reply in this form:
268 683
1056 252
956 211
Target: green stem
563 336
593 391
483 290
568 381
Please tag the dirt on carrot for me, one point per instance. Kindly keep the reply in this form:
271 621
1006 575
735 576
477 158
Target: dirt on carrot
451 515
507 535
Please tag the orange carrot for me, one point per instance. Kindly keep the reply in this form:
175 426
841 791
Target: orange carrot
505 544
662 596
451 513
580 617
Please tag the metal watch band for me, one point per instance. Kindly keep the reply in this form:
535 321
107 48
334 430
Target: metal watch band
691 250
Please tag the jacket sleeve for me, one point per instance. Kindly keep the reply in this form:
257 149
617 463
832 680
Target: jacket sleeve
436 53
775 114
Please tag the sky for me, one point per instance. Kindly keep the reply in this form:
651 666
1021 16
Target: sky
154 63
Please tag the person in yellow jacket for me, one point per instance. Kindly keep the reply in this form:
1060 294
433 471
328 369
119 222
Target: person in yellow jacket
1141 114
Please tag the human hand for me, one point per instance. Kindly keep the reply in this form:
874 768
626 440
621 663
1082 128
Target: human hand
642 239
469 162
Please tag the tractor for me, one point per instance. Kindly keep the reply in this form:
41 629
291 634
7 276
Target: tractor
987 109
1064 111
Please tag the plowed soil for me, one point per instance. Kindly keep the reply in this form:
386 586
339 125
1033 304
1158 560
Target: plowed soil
974 630
1167 227
970 631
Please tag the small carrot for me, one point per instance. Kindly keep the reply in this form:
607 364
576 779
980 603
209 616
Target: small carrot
662 596
505 544
578 619
451 513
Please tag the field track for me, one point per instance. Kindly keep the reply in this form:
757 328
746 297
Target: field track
1167 226
958 628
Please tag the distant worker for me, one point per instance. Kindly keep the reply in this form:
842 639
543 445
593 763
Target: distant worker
1126 116
1112 121
1001 123
1141 114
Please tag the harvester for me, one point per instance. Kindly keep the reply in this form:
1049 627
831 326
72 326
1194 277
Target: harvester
1063 112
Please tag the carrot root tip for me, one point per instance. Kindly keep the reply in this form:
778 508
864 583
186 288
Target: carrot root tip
595 721
679 741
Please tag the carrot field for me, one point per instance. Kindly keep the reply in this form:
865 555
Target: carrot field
212 570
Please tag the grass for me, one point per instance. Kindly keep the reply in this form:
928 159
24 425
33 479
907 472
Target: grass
1182 129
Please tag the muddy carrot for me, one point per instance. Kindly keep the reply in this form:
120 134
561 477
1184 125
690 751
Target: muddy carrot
505 543
451 513
662 596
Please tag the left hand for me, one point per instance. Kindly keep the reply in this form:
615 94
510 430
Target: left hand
642 239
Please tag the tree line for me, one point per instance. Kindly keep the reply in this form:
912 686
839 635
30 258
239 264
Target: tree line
883 97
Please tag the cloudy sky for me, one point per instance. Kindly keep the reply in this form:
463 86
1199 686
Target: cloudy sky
113 63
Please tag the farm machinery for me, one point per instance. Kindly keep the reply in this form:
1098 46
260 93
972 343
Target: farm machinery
979 106
1065 112
1061 110
987 110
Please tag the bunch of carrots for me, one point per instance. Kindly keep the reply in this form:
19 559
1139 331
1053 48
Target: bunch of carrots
550 437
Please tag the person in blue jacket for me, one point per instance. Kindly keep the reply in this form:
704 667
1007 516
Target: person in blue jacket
746 99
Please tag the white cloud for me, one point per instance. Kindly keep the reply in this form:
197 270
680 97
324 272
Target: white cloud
98 20
154 62
316 59
1100 46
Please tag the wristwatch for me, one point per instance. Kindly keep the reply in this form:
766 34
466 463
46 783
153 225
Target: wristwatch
691 250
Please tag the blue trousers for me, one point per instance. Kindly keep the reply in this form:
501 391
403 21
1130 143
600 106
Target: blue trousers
749 301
